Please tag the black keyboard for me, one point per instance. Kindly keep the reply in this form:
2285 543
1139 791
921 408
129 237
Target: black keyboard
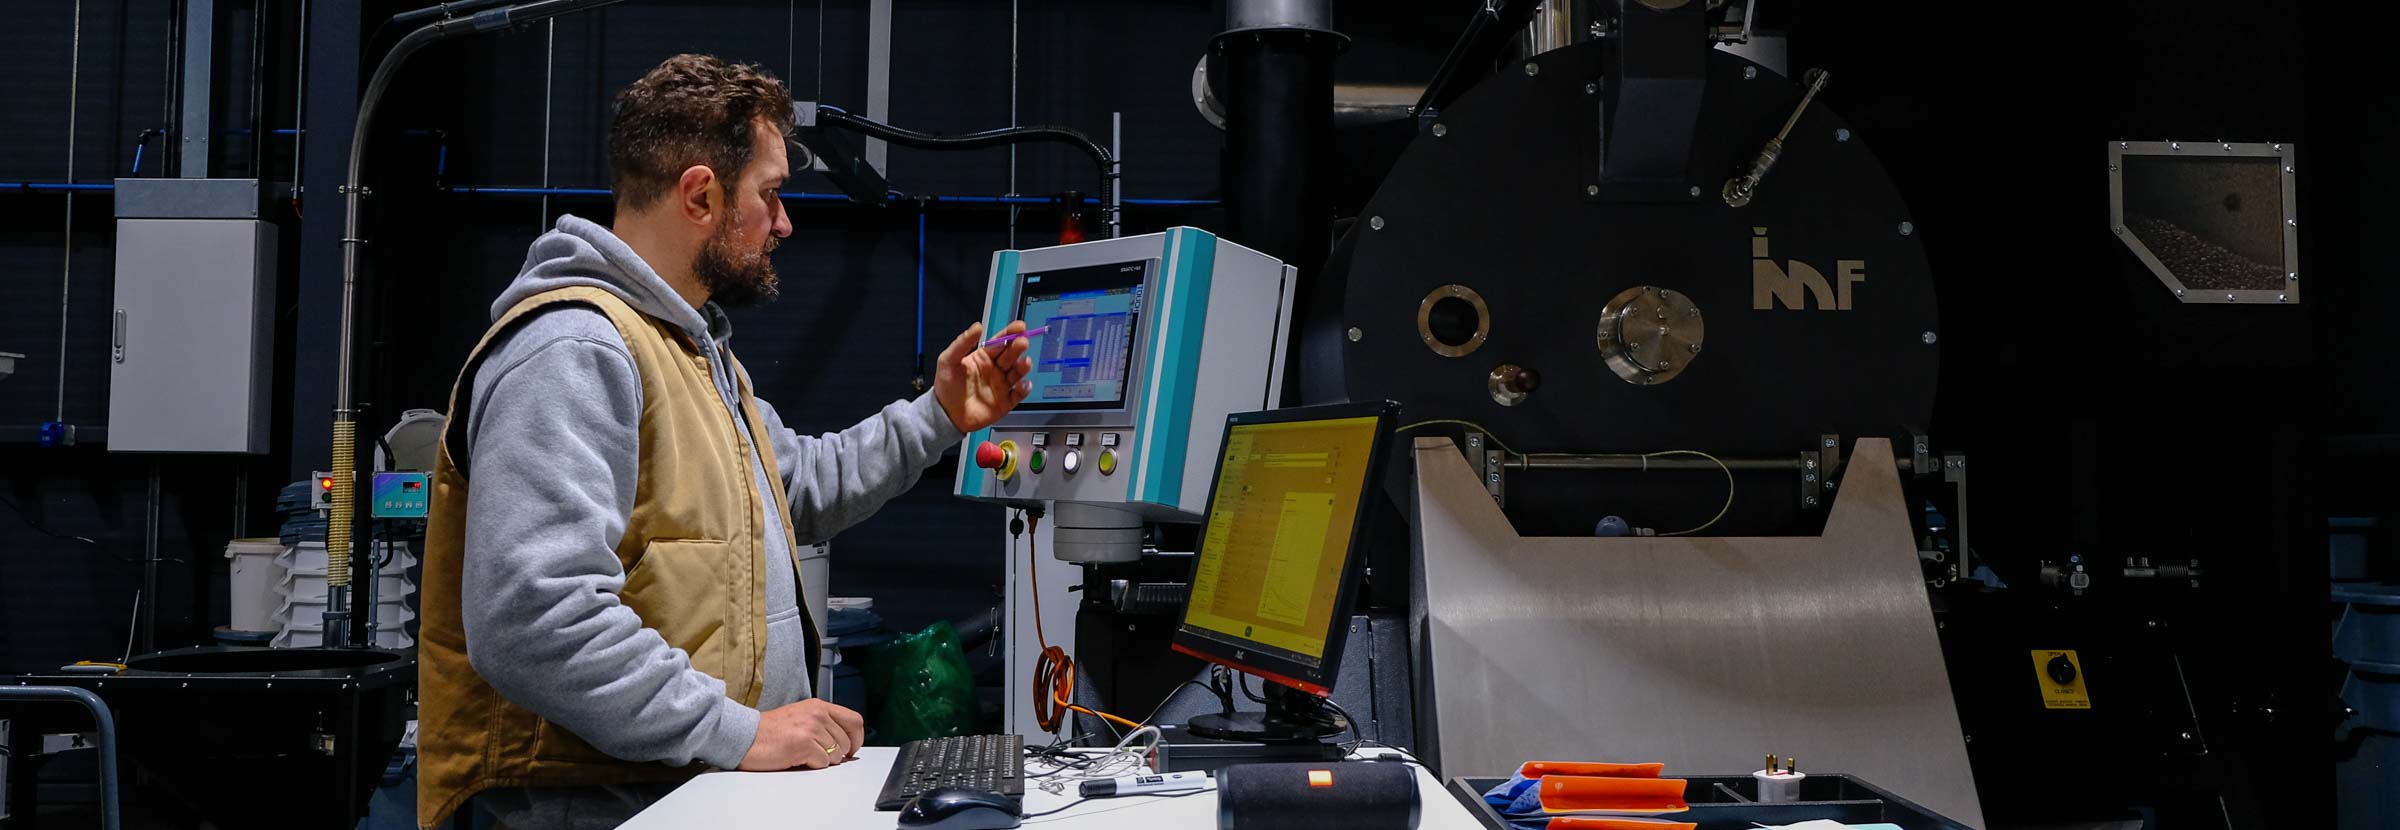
992 763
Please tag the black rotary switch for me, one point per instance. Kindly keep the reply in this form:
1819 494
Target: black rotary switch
2061 669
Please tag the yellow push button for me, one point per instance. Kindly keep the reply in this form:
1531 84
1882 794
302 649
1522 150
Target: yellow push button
1108 462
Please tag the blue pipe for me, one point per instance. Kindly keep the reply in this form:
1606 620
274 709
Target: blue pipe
796 196
290 131
141 141
58 187
529 191
799 196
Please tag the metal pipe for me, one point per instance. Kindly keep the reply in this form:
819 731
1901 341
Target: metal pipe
549 71
1552 27
149 596
103 722
1278 62
1279 97
338 539
1621 461
1374 103
1353 104
66 269
258 89
415 16
1116 173
1636 462
299 104
1012 119
1279 16
917 363
338 529
879 79
196 77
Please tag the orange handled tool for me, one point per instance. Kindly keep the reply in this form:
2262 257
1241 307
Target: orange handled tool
1598 823
1537 769
1572 793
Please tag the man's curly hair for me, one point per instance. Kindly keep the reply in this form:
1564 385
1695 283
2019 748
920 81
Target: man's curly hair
692 109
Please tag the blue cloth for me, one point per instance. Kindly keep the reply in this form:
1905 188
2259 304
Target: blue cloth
1518 795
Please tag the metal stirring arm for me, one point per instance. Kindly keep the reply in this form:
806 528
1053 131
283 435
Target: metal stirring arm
1739 189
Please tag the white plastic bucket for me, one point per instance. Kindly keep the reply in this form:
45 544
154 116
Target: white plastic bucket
256 576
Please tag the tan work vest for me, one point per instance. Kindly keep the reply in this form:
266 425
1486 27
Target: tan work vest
691 555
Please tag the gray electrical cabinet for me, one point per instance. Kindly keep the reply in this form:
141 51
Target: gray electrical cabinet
191 340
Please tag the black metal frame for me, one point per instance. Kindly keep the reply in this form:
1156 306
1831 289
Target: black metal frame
207 726
25 741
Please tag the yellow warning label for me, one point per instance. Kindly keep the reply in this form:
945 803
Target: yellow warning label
2060 674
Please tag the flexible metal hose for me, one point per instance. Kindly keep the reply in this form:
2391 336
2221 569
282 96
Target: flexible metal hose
1101 157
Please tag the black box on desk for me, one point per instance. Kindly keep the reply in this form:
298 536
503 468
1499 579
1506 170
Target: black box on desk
1180 751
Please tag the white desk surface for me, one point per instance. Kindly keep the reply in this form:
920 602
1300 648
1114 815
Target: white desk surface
843 798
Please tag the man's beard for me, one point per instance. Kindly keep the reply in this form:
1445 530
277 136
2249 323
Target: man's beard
735 276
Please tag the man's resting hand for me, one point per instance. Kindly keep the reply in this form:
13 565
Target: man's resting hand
810 734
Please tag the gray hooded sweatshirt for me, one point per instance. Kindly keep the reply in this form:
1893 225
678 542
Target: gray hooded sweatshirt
554 438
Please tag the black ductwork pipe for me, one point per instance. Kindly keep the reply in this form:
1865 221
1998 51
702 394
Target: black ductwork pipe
1277 56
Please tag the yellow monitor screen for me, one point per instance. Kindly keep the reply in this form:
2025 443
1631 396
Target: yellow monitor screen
1278 537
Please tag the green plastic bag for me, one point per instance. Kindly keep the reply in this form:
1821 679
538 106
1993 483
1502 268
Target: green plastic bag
920 687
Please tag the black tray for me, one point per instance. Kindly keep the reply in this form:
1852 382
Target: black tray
1728 802
256 737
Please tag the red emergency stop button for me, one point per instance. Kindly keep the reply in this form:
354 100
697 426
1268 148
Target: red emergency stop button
1000 458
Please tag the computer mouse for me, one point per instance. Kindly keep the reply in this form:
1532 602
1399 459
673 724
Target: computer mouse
958 809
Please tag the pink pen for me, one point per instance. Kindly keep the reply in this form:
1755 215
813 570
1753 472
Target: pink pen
1002 340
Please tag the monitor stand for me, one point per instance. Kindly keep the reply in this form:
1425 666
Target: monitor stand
1292 716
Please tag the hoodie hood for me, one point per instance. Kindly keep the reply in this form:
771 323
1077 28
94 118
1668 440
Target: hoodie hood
578 252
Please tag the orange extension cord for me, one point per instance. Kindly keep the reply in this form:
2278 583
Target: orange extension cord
1054 671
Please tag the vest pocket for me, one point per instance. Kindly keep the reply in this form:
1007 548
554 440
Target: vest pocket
683 589
679 588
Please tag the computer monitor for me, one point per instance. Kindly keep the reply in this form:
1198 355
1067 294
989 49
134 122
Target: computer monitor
1278 559
1085 360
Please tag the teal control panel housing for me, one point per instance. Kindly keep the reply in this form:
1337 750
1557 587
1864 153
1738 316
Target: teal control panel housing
1153 341
401 495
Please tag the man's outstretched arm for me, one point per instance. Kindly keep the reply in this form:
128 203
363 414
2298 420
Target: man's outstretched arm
838 479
